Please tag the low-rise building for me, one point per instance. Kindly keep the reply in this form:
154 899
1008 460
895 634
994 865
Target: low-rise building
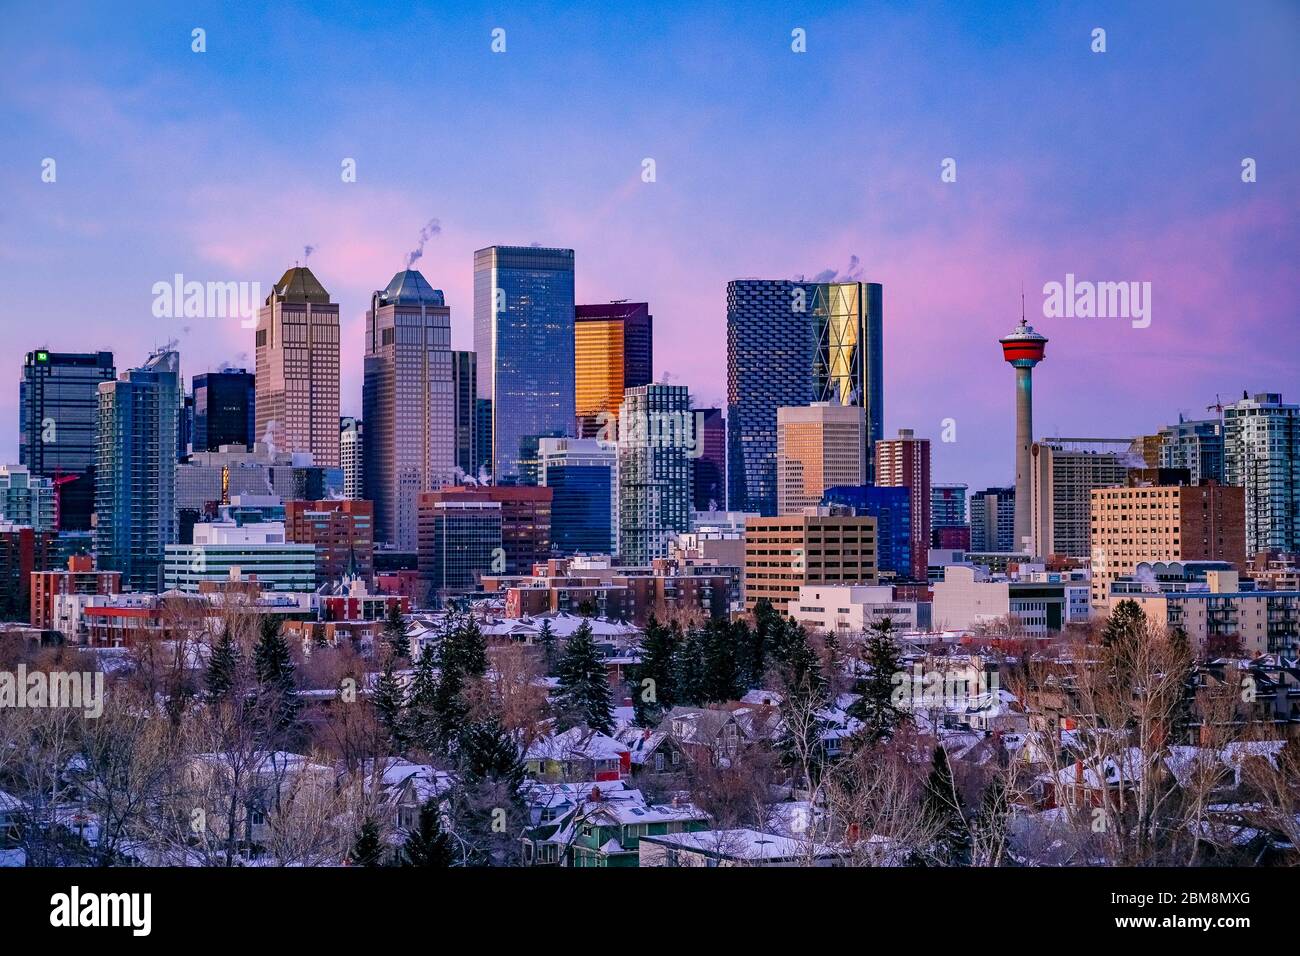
968 598
225 550
854 608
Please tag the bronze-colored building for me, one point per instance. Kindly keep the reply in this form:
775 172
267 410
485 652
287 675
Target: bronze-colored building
784 553
343 532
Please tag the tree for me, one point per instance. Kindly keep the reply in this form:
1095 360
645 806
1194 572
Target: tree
277 693
658 646
395 632
546 639
943 814
489 813
584 696
368 850
223 665
421 699
876 709
1224 645
427 845
1123 624
389 703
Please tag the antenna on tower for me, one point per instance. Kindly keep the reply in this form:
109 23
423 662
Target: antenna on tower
1022 301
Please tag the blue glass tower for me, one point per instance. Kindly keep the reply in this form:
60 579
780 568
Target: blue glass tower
892 509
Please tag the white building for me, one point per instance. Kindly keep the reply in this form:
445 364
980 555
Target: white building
967 598
853 608
224 551
26 499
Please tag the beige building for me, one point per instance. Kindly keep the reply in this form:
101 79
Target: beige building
1153 523
1063 473
298 369
783 554
818 446
852 608
967 598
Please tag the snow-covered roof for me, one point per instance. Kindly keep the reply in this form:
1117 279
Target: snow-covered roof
576 742
743 844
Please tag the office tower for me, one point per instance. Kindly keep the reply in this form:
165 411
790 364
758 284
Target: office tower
1261 453
818 446
709 471
185 427
657 438
407 404
352 457
225 410
23 550
459 542
794 343
27 499
1160 523
905 462
523 336
525 518
582 476
135 475
613 348
464 387
482 438
343 533
1196 446
782 554
892 509
297 402
1063 473
1023 349
948 505
58 423
253 551
993 520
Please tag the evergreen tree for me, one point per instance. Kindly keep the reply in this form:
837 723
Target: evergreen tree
223 665
1124 623
489 810
720 671
427 845
546 640
1183 716
657 649
943 816
368 850
421 699
389 702
688 667
767 625
584 696
447 712
876 708
463 648
273 665
395 632
488 753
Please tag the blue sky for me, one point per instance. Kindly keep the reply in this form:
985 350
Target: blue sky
1115 166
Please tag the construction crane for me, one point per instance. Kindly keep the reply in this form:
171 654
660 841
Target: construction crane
1216 407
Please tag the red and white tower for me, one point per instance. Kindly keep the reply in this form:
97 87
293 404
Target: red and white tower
1023 349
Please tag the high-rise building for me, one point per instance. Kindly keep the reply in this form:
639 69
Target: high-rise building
135 475
1064 471
613 350
523 336
58 426
709 471
408 404
352 457
657 434
1261 453
185 428
818 446
297 402
905 462
948 505
343 533
27 499
464 386
582 476
225 410
892 509
993 520
23 551
783 554
1023 348
1160 523
525 518
460 540
482 437
1196 446
794 343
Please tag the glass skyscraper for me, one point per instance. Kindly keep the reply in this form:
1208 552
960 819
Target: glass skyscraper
656 437
523 336
224 410
1196 446
58 422
1261 453
892 508
581 472
795 343
613 351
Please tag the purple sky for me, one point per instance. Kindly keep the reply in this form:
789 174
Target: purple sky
1115 166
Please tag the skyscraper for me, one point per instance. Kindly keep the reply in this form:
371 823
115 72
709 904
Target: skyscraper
1023 348
818 446
905 462
464 384
523 336
297 402
892 509
794 343
709 471
993 520
225 410
408 404
613 349
1261 453
352 457
1064 471
135 474
656 435
26 499
948 505
58 424
1196 446
581 472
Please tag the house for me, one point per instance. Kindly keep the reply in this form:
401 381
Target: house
579 753
605 829
740 847
652 751
405 788
548 804
718 734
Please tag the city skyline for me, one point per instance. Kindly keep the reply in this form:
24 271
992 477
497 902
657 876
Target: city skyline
1053 180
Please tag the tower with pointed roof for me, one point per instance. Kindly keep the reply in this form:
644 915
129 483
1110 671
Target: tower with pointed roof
297 346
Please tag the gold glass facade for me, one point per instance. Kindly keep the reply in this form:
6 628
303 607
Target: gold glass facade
598 366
